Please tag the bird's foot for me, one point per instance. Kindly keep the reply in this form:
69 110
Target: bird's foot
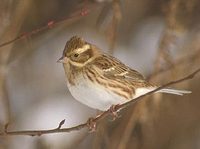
114 111
92 124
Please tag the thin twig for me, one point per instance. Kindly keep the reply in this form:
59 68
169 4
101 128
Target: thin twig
42 132
96 119
162 87
51 24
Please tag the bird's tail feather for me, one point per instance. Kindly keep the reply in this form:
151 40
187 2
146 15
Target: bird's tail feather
174 91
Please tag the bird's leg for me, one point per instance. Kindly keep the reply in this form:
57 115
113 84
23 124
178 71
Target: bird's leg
92 124
113 111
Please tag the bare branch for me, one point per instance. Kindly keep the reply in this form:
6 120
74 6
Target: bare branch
41 132
51 24
96 119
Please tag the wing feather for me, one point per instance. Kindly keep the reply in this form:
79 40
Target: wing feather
111 67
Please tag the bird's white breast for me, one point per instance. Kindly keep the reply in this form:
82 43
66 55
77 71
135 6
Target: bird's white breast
93 95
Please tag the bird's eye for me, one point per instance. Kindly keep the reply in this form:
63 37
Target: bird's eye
76 55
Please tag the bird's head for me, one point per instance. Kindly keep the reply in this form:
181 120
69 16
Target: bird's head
78 52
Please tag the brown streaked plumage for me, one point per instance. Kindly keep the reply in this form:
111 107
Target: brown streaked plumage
74 43
99 80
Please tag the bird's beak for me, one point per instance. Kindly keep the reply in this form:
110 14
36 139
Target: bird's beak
62 60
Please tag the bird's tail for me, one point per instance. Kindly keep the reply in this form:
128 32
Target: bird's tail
174 91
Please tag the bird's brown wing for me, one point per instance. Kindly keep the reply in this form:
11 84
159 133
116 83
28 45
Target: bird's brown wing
112 68
119 78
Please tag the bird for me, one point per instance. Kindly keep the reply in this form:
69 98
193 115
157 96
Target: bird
99 80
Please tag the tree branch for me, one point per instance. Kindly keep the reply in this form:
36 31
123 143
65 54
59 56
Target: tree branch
51 24
97 118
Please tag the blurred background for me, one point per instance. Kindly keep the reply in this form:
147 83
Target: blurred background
159 38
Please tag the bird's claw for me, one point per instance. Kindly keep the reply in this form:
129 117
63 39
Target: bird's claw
114 112
92 125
